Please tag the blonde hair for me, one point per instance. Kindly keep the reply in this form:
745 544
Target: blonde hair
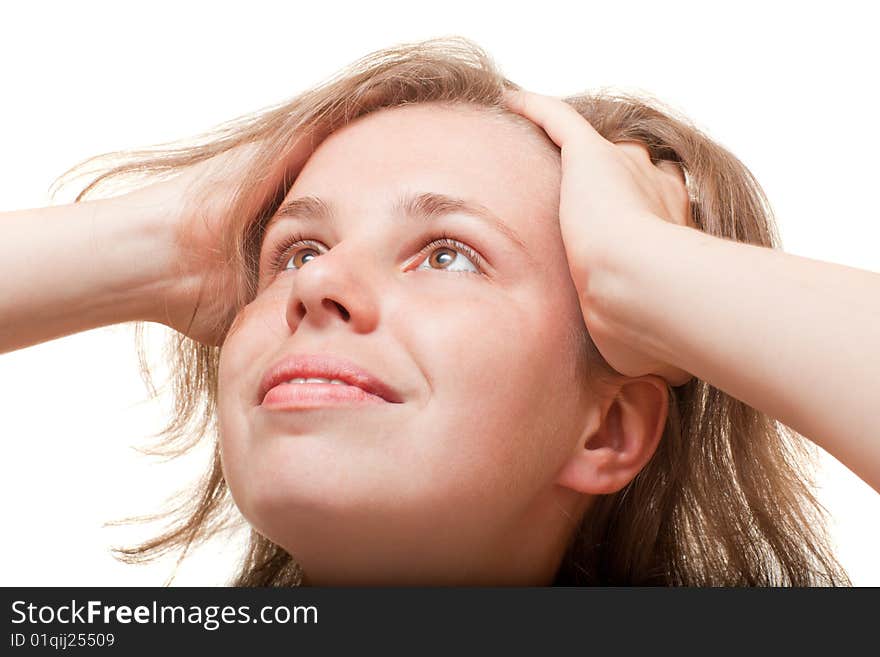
726 498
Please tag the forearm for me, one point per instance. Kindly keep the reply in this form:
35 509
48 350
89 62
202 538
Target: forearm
70 268
796 338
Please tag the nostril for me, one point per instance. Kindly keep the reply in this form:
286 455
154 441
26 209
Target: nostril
342 311
345 314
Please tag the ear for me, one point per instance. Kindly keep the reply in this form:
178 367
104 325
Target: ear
621 435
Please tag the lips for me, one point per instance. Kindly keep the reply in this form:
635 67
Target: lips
327 367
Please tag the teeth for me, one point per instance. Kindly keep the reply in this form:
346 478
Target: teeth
335 382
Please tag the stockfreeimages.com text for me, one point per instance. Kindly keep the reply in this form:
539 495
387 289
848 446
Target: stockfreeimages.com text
210 617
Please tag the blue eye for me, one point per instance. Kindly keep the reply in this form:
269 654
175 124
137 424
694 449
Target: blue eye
441 254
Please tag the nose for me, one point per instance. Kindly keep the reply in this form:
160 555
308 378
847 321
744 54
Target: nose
333 287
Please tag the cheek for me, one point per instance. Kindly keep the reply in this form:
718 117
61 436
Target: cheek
248 343
233 432
503 390
494 344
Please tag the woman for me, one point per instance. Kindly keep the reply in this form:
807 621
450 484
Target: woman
565 343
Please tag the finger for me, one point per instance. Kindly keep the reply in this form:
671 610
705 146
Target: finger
669 177
677 377
675 191
680 380
562 122
674 169
638 151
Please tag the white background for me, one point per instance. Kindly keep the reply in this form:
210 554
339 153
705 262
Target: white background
791 89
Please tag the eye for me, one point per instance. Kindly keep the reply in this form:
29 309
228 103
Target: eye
441 251
281 251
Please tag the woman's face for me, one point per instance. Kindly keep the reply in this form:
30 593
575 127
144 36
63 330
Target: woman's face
455 484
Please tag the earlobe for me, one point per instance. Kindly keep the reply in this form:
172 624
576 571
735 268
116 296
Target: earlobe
619 438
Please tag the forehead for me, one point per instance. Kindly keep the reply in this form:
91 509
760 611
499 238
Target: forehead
448 123
503 161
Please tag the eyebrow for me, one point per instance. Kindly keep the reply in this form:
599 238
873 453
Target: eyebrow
423 206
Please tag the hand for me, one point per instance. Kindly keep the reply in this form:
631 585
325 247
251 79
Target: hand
610 195
194 206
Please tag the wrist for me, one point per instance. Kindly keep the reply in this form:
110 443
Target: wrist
138 234
631 283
